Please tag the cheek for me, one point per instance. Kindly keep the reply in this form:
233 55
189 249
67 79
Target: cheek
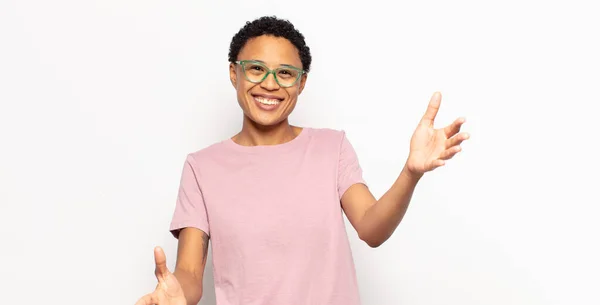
243 86
293 93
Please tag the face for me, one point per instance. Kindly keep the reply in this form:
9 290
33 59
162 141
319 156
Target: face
267 103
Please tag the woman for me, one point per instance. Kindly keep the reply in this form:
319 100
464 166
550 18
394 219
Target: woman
271 197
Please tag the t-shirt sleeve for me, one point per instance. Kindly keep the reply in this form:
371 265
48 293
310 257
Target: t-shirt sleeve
349 169
190 209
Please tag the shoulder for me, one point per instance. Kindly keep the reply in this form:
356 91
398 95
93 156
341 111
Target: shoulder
329 135
207 153
331 139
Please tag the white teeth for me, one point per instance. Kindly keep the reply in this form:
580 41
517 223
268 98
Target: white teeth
266 101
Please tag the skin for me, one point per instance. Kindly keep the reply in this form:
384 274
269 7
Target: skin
266 127
374 220
184 285
430 148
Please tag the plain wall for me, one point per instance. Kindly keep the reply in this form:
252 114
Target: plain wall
102 100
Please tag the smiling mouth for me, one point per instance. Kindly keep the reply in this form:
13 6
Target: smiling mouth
267 101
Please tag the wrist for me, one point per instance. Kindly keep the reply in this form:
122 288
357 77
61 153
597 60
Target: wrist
410 174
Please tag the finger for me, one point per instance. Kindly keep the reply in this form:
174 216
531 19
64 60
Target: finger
436 163
432 109
161 270
149 299
454 128
457 139
450 152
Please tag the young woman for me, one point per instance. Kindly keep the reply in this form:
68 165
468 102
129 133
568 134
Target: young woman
271 197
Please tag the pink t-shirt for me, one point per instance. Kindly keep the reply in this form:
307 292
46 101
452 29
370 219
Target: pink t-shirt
274 218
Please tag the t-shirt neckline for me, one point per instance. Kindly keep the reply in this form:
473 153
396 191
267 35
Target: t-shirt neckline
298 140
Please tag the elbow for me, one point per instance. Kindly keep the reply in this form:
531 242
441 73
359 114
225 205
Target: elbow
196 296
191 285
373 242
195 300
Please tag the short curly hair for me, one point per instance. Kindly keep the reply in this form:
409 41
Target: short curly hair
270 25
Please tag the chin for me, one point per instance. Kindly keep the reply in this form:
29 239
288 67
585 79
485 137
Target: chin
261 120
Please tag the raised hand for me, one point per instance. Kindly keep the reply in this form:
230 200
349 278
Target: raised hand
430 147
168 291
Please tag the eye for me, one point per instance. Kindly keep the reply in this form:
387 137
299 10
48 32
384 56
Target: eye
286 73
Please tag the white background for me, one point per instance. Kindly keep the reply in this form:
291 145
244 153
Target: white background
102 100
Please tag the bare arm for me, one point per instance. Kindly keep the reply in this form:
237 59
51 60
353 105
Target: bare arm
376 220
191 261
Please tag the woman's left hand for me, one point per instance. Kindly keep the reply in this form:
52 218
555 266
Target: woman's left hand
429 147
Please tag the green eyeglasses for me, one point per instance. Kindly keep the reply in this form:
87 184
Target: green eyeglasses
256 72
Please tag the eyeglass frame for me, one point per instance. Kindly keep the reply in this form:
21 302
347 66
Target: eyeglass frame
301 72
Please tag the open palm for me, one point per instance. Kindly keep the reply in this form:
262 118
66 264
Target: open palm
430 147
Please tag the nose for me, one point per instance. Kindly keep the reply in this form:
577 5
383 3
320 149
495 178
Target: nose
269 83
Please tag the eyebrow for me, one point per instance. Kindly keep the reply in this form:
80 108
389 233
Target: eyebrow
285 65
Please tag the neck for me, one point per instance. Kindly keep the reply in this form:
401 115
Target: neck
253 134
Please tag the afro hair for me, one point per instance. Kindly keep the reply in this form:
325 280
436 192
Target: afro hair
270 25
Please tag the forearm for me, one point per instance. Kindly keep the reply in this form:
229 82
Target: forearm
382 218
191 285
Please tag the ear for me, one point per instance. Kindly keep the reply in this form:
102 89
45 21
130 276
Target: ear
233 74
302 83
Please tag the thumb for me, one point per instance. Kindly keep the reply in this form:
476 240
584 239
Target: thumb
432 109
160 259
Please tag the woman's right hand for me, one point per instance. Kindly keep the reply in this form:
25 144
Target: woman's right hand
168 291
